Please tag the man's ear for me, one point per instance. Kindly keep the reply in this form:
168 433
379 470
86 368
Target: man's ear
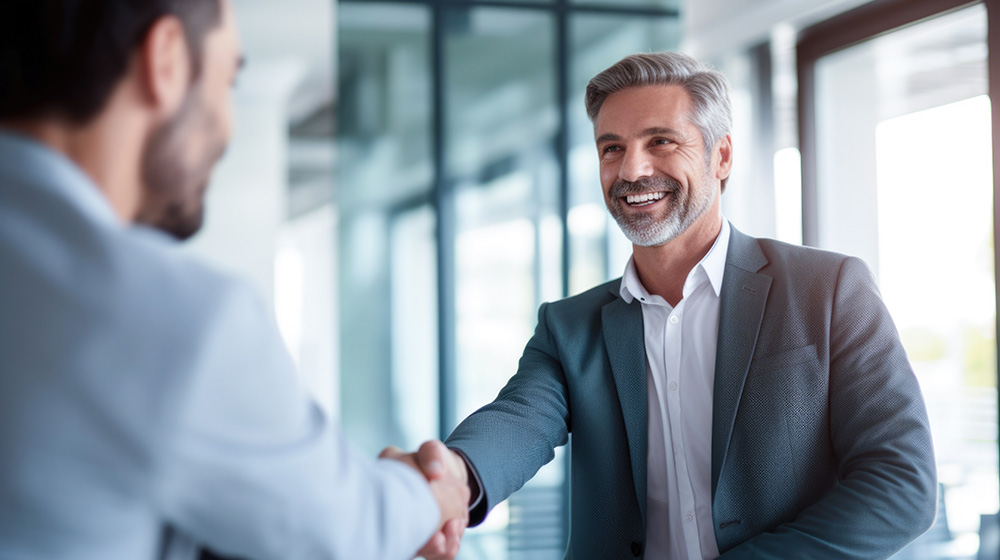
724 151
164 64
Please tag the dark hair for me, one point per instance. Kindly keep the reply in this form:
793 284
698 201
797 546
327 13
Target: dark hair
64 57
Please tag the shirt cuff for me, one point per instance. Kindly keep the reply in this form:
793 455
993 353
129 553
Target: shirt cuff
476 493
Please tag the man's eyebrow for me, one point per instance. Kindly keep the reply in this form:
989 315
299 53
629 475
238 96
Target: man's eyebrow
660 131
652 131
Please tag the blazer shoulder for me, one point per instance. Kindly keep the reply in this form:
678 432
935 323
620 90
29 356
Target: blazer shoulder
583 308
595 297
800 259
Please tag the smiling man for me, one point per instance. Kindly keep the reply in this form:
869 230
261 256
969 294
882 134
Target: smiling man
727 396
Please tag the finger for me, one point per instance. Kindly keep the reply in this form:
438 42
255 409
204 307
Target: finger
435 547
431 457
453 531
390 452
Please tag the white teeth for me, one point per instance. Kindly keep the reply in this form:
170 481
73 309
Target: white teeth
640 198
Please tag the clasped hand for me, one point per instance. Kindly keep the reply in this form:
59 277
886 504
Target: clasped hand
447 475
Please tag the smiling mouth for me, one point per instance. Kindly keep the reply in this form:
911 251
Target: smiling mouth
644 199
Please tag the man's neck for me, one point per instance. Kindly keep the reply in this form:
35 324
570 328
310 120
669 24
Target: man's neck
107 150
664 269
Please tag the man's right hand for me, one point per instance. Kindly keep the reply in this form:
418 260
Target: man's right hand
447 475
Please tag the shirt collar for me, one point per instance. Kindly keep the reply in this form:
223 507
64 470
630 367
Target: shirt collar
27 162
712 266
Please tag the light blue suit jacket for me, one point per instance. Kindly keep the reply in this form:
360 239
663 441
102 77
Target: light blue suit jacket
820 441
139 390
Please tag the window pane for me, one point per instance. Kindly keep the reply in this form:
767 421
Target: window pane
501 127
384 183
906 181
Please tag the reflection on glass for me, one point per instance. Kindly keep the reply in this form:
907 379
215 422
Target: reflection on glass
414 337
661 4
384 175
598 248
501 125
906 181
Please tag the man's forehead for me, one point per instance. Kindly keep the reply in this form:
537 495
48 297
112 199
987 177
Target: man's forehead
645 109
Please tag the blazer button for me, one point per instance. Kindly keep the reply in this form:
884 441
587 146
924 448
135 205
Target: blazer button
636 549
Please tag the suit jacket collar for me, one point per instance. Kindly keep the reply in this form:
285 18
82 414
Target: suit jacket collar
743 296
626 348
741 310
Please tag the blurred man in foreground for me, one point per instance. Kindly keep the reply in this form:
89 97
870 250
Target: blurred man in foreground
728 396
146 401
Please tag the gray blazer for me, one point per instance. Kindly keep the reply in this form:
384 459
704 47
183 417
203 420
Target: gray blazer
820 442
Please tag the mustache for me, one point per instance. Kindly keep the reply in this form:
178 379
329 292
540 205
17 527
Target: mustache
621 188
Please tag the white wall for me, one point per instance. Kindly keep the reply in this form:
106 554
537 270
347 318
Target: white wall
288 46
717 27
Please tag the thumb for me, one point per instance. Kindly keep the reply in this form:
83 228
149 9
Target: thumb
431 457
390 452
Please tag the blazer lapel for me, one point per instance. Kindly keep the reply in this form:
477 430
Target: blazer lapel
623 339
743 296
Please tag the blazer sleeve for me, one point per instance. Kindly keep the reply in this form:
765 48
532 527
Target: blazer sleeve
887 490
254 469
508 440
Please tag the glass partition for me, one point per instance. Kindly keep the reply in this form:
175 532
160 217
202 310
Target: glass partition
458 133
384 178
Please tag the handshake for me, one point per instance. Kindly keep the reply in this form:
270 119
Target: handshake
448 478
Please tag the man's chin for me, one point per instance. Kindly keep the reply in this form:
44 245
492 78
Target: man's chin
179 224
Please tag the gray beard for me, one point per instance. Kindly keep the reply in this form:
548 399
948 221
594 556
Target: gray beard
650 231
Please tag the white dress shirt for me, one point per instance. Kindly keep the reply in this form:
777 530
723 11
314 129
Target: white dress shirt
140 389
680 363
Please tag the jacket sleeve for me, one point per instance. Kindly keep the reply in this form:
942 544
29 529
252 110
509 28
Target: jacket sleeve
886 493
508 440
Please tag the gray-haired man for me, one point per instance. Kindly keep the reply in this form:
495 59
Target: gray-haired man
728 395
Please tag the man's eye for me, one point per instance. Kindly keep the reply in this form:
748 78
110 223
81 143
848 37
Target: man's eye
609 149
663 141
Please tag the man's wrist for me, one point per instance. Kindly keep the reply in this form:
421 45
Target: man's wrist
476 493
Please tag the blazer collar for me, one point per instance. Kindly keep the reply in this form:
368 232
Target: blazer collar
626 349
741 311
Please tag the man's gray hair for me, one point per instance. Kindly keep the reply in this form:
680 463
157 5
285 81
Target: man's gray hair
708 88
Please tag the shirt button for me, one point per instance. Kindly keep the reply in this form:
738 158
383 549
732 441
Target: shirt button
689 517
674 320
673 385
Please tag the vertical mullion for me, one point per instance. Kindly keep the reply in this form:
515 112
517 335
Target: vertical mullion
444 206
993 71
562 15
807 148
562 136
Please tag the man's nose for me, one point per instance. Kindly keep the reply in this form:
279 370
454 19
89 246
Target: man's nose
635 165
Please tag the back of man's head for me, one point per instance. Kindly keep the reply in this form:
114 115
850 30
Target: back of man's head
62 58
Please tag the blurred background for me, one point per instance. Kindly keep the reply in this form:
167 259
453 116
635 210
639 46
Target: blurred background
410 179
